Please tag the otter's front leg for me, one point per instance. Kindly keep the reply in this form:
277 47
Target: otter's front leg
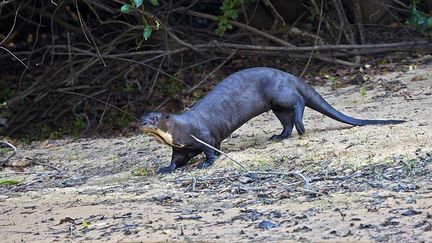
179 158
211 156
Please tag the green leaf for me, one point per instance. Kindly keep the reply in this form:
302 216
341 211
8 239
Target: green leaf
125 9
362 90
138 3
154 2
84 224
147 32
9 182
231 14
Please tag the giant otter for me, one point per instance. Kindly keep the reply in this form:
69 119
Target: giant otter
234 101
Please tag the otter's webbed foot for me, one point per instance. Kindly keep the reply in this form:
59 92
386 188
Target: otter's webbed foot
166 170
179 158
279 137
286 132
207 163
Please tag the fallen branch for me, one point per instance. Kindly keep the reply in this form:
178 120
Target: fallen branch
389 46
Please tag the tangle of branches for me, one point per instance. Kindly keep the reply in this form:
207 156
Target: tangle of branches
70 66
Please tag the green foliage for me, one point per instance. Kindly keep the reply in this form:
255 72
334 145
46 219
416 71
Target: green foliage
5 94
79 123
138 3
154 2
140 171
228 13
331 78
418 18
197 94
129 88
147 32
84 224
172 86
4 114
122 122
125 9
362 90
59 134
45 131
138 6
9 182
5 150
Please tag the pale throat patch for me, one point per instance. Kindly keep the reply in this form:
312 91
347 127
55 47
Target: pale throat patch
162 137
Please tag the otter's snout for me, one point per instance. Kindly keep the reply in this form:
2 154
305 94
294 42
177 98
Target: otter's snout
149 120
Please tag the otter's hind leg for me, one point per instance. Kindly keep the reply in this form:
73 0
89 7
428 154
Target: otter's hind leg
289 100
298 117
286 117
179 158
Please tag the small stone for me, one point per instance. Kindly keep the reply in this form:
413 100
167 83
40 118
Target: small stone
411 212
409 199
265 224
245 179
302 229
365 226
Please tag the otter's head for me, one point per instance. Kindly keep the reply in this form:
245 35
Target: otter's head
153 121
156 124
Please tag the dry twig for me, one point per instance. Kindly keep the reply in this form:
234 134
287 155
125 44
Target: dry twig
2 163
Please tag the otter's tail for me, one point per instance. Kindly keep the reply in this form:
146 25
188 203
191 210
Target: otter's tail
314 101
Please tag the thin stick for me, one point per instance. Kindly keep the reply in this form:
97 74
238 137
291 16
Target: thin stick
13 154
60 172
26 185
293 173
229 157
316 40
275 12
13 25
27 173
84 28
1 47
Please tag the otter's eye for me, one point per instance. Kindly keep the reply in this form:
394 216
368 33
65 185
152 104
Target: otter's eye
167 116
